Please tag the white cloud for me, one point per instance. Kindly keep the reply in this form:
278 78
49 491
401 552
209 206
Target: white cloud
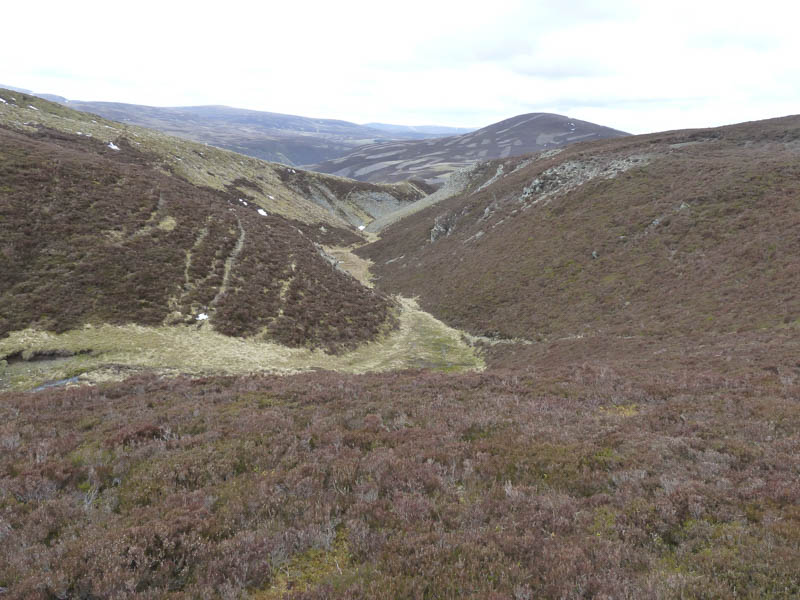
630 65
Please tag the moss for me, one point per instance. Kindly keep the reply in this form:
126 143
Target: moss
604 522
332 566
621 410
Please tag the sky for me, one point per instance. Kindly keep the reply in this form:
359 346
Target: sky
635 66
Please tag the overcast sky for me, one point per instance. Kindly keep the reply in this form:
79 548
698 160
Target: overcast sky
636 66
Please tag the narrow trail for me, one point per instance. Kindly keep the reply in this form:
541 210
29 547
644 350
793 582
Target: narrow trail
229 265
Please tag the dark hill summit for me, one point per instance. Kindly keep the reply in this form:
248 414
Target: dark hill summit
434 160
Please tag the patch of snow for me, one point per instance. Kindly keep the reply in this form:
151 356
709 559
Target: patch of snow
262 212
361 227
271 197
78 133
93 121
32 107
202 317
293 171
3 101
113 146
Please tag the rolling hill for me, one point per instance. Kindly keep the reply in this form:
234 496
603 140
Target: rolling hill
434 160
275 137
668 236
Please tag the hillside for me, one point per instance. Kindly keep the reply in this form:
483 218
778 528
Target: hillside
576 482
290 192
435 160
107 227
676 235
94 233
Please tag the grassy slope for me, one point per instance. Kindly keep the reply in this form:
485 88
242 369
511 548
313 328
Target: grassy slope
697 237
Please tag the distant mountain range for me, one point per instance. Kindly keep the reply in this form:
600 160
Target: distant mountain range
433 160
373 152
288 139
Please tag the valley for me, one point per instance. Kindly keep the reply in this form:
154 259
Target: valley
565 368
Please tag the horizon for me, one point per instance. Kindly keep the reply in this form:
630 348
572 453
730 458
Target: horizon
40 94
363 124
634 68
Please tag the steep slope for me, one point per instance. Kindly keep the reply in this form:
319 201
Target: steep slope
684 233
96 232
435 160
93 235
